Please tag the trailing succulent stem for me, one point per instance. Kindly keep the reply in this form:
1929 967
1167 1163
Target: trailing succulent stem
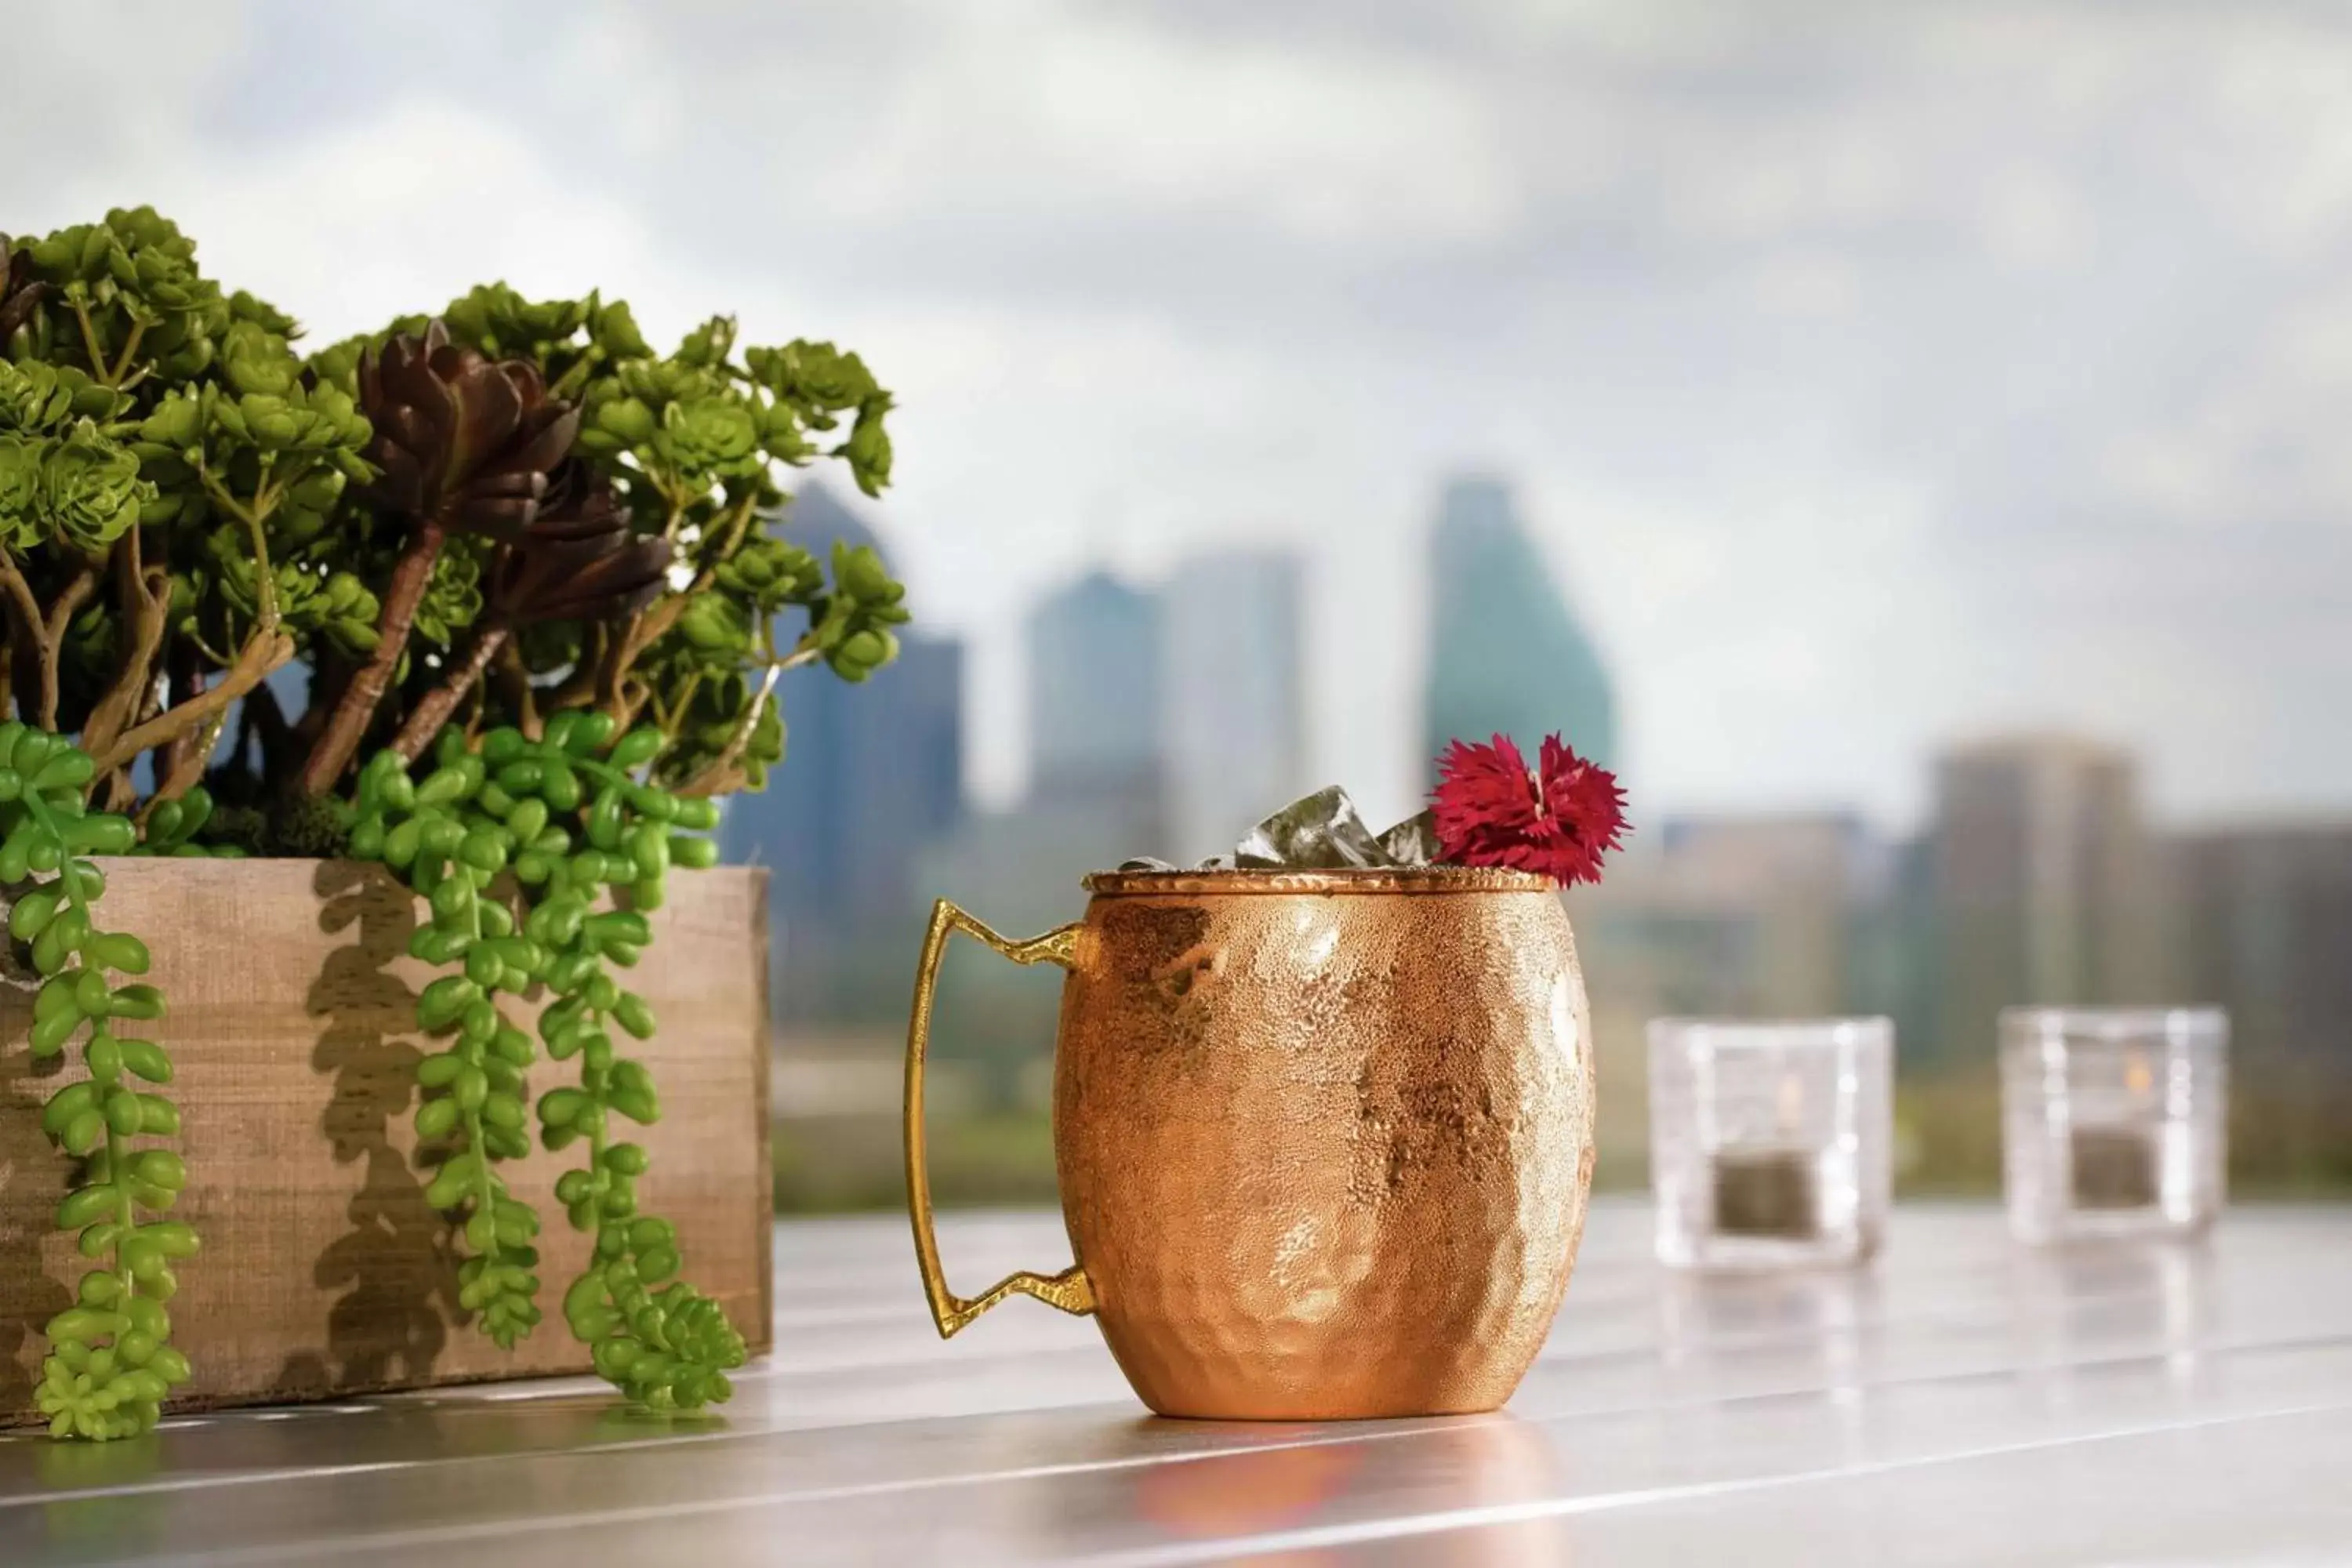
570 817
111 1362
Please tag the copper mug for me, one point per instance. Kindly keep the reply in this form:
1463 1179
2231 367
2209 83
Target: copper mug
1324 1138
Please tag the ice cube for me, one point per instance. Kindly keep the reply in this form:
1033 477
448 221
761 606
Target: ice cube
1320 832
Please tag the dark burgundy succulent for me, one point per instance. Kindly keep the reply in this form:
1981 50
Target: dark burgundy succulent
463 443
20 292
578 559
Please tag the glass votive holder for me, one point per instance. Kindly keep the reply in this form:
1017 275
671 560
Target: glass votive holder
1770 1141
2113 1120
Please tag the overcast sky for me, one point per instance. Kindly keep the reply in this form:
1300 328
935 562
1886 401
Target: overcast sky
1871 374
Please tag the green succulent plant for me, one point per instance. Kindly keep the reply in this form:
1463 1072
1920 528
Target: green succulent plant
163 457
513 535
688 447
39 397
90 492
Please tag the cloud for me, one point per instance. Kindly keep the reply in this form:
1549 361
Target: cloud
1116 118
1870 373
84 110
403 212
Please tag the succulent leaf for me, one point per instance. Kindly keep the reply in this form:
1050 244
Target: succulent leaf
461 440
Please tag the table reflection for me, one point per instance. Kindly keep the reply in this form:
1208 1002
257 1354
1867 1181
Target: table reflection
1311 1494
1702 1317
2112 1300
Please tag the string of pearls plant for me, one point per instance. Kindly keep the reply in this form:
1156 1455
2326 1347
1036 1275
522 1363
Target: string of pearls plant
110 1362
571 817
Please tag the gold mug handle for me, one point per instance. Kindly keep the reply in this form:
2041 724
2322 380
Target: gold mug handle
1070 1289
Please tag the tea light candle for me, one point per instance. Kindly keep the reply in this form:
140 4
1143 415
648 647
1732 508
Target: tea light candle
2114 1167
2113 1119
1769 1140
1766 1192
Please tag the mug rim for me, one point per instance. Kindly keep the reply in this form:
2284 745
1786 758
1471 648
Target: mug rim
1334 880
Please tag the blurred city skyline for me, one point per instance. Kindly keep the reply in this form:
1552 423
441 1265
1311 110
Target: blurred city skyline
1871 376
1171 708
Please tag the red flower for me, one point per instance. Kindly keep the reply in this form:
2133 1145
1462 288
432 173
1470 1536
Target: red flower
1558 821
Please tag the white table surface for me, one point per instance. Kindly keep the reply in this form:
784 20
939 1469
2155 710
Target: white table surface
1961 1402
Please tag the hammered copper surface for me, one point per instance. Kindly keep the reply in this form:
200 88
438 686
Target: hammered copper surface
1324 1139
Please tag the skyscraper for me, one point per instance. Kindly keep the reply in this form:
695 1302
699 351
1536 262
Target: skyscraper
1095 798
872 774
1508 654
1095 693
1747 917
1094 794
2264 931
2042 882
1234 728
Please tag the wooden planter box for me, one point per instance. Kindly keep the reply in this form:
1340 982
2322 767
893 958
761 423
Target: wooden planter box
290 1024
